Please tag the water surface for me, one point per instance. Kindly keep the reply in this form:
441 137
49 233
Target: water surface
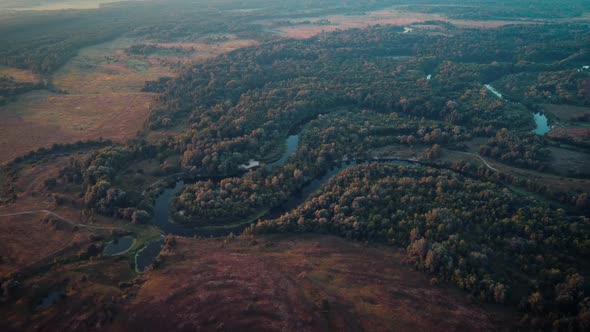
119 246
292 145
542 124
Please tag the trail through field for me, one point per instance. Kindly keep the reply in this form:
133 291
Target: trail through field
59 217
480 158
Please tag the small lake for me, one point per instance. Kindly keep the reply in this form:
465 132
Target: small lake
542 124
119 246
146 256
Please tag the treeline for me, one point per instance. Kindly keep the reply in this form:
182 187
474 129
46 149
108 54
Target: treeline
149 49
10 88
496 245
96 177
44 152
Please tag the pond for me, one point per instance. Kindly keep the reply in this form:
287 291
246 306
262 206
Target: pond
542 124
119 246
146 256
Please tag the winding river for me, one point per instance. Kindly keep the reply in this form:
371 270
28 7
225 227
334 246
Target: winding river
162 216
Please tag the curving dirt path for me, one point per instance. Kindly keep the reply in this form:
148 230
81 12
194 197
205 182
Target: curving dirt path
59 217
480 158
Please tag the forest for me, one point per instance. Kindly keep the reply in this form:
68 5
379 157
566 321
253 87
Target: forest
419 138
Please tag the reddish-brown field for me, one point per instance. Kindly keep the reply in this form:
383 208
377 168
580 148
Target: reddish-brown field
25 239
40 119
303 283
388 16
576 133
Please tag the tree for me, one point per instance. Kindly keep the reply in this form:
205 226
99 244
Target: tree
140 217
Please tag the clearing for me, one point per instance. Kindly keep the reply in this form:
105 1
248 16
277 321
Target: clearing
40 119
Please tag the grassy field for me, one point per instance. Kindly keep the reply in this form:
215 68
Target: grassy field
105 69
395 16
295 283
40 119
103 98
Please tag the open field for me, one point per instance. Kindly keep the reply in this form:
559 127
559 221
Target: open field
103 100
387 16
304 283
26 239
567 112
105 68
570 163
556 182
40 119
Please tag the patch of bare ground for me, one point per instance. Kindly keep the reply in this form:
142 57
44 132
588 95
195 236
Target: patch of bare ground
295 283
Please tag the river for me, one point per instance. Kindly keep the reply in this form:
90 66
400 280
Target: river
162 216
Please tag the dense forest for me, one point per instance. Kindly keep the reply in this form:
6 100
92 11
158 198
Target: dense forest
241 112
